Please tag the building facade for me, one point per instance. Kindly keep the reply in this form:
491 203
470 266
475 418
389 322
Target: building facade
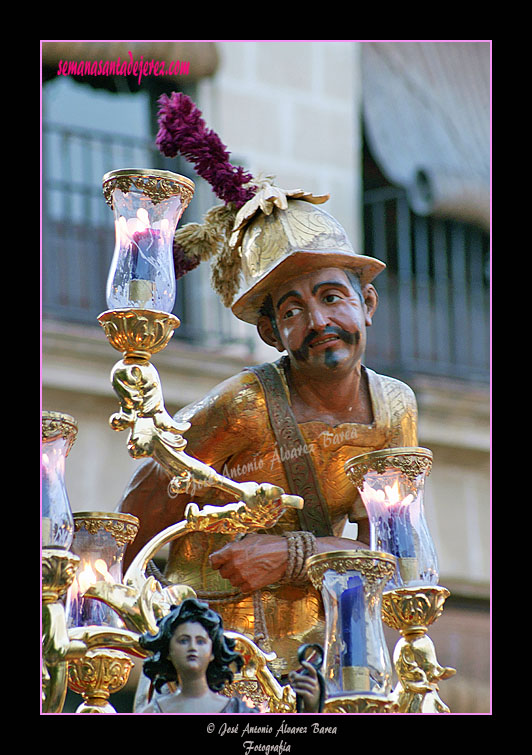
398 134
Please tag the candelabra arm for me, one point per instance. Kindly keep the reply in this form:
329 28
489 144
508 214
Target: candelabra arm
57 646
142 601
57 649
233 518
189 474
58 571
281 698
154 433
110 638
141 408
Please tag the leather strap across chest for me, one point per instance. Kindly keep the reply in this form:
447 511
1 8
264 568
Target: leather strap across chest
294 453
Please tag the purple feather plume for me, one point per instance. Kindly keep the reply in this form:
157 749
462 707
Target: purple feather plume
183 263
182 130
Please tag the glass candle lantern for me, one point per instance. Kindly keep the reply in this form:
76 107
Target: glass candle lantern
100 540
391 483
58 434
356 660
147 206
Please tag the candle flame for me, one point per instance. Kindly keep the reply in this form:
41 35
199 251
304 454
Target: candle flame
89 576
101 568
390 496
86 578
53 460
144 218
126 228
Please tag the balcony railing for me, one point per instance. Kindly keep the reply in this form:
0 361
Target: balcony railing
433 315
434 310
78 234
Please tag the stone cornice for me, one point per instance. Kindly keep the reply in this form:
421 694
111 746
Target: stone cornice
78 358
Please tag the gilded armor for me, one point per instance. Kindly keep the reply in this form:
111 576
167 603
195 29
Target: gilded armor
230 431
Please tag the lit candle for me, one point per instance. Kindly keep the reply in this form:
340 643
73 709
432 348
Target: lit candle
87 611
142 241
147 205
399 523
142 237
56 516
393 528
355 672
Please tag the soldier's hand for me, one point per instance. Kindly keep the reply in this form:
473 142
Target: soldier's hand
253 562
305 684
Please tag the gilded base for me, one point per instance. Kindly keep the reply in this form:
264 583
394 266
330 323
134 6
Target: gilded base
98 675
363 703
58 572
411 610
138 333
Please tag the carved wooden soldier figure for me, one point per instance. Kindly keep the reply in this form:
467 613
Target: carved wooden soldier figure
292 423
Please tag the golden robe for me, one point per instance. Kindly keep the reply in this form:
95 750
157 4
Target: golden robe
230 431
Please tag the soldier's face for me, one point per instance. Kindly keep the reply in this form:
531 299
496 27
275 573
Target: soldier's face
321 319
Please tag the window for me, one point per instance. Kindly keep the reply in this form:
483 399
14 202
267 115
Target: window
433 315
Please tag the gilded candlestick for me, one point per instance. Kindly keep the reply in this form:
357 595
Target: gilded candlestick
357 666
391 484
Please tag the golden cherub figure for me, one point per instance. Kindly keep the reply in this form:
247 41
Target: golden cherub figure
419 673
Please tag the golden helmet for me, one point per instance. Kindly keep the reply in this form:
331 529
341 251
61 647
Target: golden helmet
290 241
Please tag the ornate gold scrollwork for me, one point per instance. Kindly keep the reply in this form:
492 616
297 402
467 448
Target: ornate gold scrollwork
366 703
235 517
58 572
157 185
375 566
419 674
256 681
410 461
138 333
122 527
96 676
55 424
411 610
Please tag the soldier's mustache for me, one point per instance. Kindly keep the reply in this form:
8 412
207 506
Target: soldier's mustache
302 352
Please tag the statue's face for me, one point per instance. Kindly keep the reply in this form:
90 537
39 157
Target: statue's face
321 320
190 649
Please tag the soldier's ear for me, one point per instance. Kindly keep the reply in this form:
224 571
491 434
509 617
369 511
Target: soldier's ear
371 300
268 332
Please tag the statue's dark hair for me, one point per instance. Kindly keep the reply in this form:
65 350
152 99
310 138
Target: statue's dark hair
160 670
354 280
267 310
